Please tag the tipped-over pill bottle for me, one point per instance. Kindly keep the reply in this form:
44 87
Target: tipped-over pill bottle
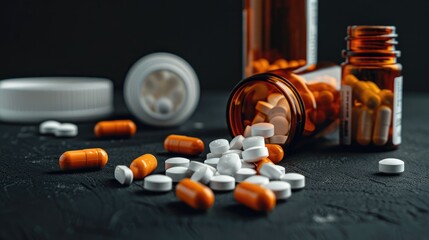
278 34
371 90
299 104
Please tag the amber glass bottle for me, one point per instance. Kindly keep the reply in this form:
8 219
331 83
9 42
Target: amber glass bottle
301 103
278 34
371 89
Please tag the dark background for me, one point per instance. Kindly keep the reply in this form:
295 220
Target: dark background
105 37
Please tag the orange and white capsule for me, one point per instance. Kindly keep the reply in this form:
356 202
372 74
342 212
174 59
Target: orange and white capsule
83 159
195 194
183 145
262 162
255 196
275 152
143 166
115 128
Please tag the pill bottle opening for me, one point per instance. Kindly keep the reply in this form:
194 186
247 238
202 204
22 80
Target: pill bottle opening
287 108
162 93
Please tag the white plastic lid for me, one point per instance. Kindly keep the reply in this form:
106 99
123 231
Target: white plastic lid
161 89
55 98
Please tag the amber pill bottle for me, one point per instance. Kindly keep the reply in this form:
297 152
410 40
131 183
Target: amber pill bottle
371 90
278 34
309 97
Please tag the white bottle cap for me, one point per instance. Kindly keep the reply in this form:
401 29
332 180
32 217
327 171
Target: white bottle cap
55 98
161 76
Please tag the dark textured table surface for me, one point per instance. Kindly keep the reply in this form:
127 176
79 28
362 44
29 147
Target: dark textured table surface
345 197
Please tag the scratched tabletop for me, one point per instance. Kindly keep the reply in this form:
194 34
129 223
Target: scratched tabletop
344 197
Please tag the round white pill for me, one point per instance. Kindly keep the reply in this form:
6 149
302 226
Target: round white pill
176 162
263 107
256 141
177 173
257 179
281 125
255 154
194 166
222 183
282 190
274 98
213 169
391 166
212 162
236 151
247 131
270 171
275 112
247 165
281 168
229 164
123 174
158 183
296 180
203 175
164 105
278 139
48 127
265 130
219 146
237 142
244 173
214 155
66 130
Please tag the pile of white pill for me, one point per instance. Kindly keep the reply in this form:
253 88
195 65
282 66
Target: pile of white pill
58 129
227 163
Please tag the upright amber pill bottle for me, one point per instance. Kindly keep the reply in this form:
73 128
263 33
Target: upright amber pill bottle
371 89
301 104
278 34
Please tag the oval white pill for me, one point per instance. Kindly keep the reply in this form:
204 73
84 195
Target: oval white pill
296 180
265 130
237 142
281 168
270 171
256 141
158 183
194 166
66 130
219 146
247 131
244 173
229 164
282 190
222 183
177 173
214 155
176 162
48 127
257 179
391 165
212 162
278 139
203 175
236 151
247 165
164 105
255 154
123 174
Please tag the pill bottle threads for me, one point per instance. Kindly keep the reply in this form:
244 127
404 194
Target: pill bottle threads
371 89
301 104
278 34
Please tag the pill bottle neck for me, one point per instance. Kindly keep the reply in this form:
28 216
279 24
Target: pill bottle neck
372 45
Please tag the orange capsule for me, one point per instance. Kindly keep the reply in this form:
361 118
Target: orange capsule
143 166
195 194
83 159
115 128
262 162
324 98
275 152
282 63
255 196
183 145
